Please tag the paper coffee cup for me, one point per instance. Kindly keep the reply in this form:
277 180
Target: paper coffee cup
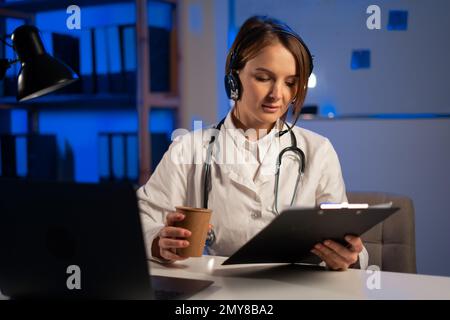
196 220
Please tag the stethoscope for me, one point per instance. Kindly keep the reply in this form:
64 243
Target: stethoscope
293 148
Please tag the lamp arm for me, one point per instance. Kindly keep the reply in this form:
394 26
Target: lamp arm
5 64
2 39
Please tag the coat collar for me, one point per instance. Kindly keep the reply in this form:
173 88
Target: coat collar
227 153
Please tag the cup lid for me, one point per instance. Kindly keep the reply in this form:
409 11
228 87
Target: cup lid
184 208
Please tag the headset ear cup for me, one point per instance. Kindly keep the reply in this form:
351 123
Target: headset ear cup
232 87
227 85
237 81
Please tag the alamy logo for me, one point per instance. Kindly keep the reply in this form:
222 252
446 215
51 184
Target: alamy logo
374 279
74 20
374 20
74 279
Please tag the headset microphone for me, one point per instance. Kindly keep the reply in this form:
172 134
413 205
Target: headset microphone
281 133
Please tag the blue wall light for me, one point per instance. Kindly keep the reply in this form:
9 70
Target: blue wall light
328 111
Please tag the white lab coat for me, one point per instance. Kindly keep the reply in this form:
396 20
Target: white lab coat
242 180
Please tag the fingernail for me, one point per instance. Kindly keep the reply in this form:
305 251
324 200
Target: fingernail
318 246
186 243
327 243
180 216
187 233
348 238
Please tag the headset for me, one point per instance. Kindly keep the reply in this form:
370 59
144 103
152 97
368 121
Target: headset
233 86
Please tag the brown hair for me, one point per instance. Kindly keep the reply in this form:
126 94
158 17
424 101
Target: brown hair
256 33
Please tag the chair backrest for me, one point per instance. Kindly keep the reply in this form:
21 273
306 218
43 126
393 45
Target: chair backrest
391 244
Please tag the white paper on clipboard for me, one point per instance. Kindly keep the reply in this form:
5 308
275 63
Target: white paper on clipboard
346 205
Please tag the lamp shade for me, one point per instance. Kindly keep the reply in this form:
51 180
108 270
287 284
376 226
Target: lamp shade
40 73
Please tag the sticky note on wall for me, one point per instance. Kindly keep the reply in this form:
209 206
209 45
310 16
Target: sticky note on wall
398 20
360 59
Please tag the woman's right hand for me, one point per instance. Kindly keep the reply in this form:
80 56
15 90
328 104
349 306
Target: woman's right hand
171 238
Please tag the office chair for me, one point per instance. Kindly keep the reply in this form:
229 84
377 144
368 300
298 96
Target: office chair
391 244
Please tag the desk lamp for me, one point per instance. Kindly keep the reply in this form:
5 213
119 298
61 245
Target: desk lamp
40 73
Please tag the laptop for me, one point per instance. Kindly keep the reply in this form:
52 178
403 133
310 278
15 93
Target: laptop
67 240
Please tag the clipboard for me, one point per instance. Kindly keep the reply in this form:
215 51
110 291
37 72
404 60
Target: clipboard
291 235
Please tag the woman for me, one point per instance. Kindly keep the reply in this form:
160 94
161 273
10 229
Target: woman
267 72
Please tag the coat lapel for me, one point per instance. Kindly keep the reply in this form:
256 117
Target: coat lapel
228 167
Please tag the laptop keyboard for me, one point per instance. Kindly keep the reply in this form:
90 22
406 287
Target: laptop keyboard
171 288
167 295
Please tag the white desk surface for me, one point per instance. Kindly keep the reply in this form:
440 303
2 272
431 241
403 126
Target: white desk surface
283 281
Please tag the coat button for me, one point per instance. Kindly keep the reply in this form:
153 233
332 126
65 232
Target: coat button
255 215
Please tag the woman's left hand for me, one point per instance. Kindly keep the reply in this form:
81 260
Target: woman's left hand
336 256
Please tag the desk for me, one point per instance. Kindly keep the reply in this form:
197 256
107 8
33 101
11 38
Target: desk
281 281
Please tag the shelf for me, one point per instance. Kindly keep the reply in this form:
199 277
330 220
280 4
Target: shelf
89 101
35 6
141 100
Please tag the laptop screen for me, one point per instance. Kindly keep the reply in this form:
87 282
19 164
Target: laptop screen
70 240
